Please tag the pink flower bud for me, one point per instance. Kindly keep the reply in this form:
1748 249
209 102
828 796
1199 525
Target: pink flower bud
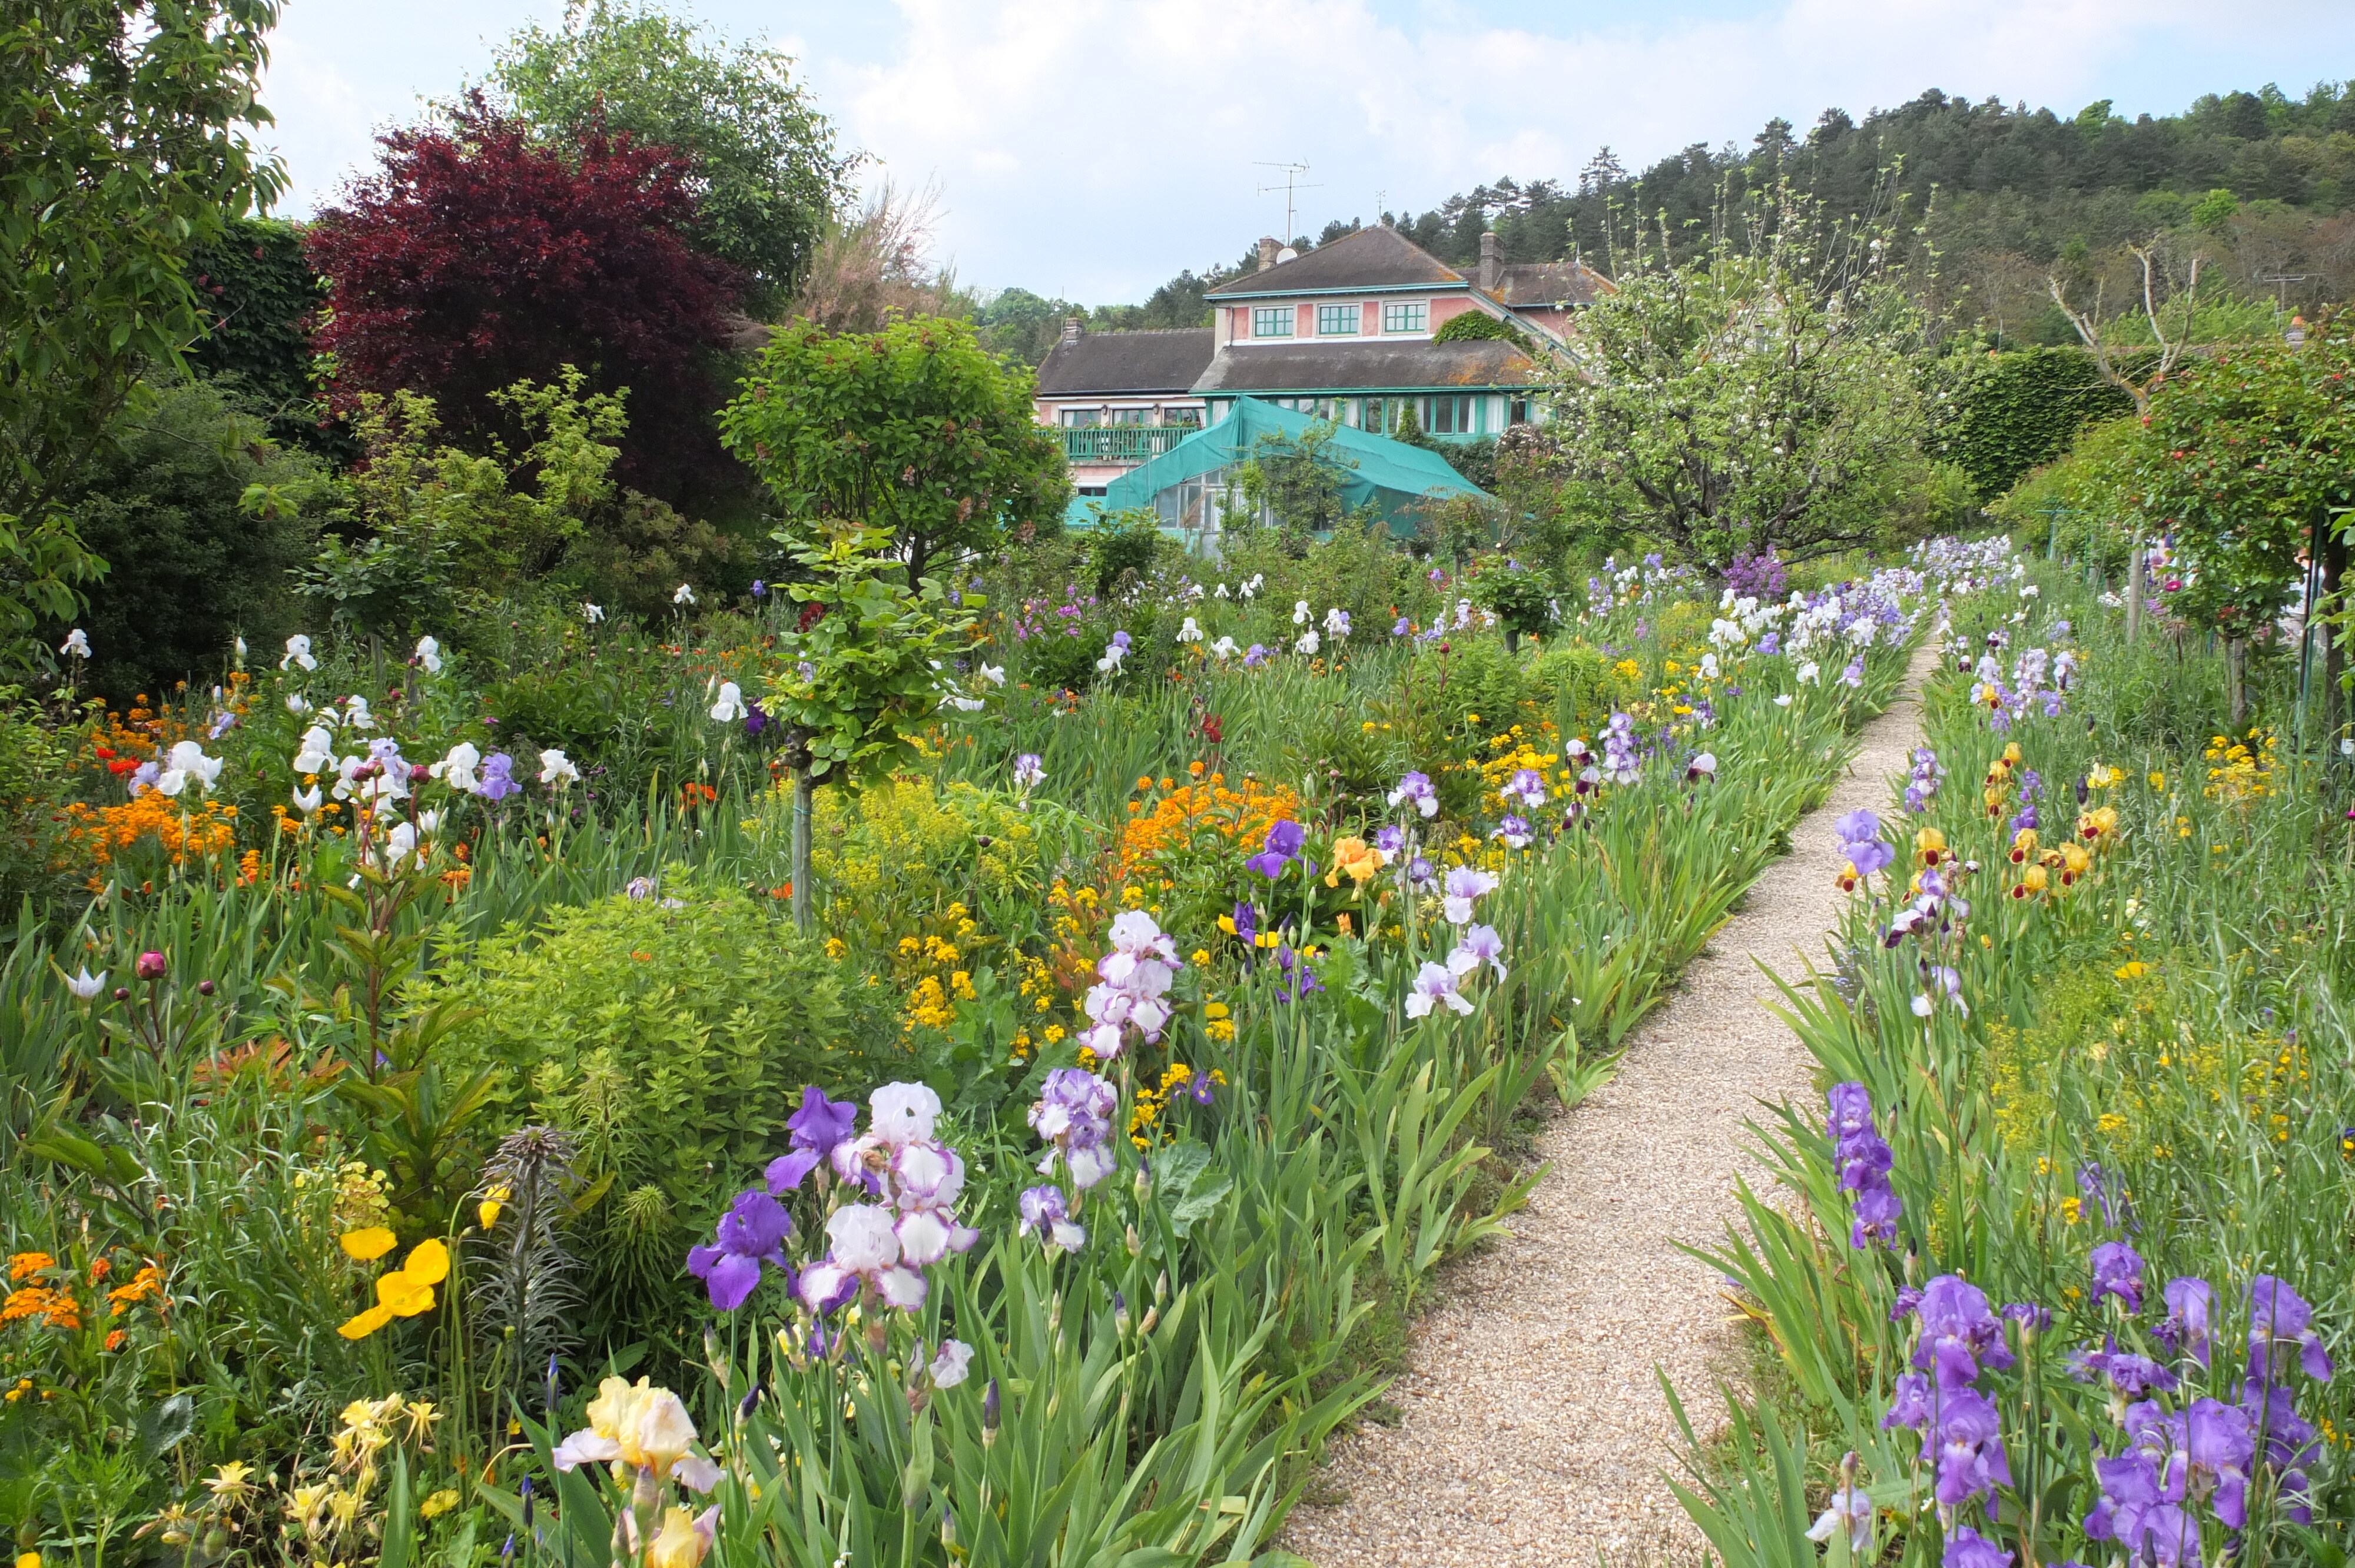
152 966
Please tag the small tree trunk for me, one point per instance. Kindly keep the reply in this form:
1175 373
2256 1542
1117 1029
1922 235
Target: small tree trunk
2134 591
2331 601
804 789
2236 681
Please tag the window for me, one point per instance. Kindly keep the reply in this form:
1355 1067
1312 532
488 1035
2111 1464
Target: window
1080 418
1449 417
1271 321
1405 318
1379 415
1337 321
1520 412
1131 417
1189 418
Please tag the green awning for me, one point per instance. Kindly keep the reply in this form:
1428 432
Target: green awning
1184 482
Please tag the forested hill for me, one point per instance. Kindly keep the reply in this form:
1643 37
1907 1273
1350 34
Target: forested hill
2267 178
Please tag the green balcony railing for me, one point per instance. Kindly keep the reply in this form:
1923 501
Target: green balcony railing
1121 443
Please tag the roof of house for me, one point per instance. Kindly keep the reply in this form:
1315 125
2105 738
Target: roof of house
1376 257
1120 362
1528 285
1370 365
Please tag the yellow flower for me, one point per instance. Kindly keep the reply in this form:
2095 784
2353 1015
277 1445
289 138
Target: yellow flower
487 1211
228 1482
2133 970
2071 1210
439 1503
678 1544
2101 775
366 1323
2158 780
28 1560
1931 844
367 1245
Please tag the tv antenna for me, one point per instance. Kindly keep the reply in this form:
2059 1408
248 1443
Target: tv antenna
1292 173
2281 282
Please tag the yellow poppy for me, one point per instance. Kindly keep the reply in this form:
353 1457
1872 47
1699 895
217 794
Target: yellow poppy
428 1263
366 1323
403 1295
367 1245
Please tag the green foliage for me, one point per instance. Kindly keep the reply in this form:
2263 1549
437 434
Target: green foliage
669 1031
2014 412
33 779
858 679
915 428
1123 541
123 123
1519 597
1296 480
191 569
259 295
1478 326
896 857
2073 506
417 525
2242 456
770 174
1759 397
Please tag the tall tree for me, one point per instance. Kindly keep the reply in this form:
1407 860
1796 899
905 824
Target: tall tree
477 257
763 164
915 428
1757 396
122 144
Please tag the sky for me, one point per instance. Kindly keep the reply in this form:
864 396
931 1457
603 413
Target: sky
1090 149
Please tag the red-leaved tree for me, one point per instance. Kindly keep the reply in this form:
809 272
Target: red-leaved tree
475 258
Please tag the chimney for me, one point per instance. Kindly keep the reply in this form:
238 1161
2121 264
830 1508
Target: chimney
1268 246
1071 329
1492 266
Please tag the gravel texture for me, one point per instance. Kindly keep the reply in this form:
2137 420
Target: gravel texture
1533 1431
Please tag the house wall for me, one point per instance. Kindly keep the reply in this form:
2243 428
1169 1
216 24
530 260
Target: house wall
1446 307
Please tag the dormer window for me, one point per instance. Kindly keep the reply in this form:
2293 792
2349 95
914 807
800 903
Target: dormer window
1271 321
1337 321
1406 318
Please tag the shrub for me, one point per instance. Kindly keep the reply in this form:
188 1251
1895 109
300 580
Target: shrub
33 772
669 1030
896 856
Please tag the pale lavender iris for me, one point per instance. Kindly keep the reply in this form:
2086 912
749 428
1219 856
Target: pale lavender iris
1514 831
1045 1211
498 779
1074 1113
1415 789
1434 986
1860 842
1464 887
1478 944
1527 786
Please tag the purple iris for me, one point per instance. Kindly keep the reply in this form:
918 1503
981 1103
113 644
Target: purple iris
816 1128
1958 1332
2094 1186
1390 840
2288 1438
2117 1271
2131 1375
756 717
1284 841
1966 1548
2189 1302
2029 1316
752 1232
1860 842
498 777
1864 1161
2278 1322
1294 977
1246 922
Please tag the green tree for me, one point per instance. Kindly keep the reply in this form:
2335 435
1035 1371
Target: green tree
766 159
1297 479
2243 457
191 569
1756 397
916 429
121 146
858 677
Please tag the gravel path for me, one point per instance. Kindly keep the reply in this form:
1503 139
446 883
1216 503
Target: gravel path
1533 1431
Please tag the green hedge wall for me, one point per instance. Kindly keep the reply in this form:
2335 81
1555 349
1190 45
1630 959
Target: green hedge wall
2013 412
